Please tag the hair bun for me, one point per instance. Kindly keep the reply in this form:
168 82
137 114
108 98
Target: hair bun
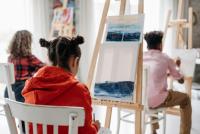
77 40
44 43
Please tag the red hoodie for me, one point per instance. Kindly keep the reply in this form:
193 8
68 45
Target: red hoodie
54 86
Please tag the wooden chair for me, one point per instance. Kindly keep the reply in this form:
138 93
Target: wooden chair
73 117
7 77
160 113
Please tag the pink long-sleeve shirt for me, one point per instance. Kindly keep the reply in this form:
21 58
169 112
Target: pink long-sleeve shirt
159 66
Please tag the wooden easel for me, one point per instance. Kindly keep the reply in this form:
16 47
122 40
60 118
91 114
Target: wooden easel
180 24
137 105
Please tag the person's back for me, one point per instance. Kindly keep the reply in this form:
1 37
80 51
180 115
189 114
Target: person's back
57 85
54 86
160 66
25 63
25 67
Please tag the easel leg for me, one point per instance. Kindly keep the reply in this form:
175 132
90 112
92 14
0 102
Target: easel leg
190 28
138 113
188 86
180 9
166 25
138 118
108 117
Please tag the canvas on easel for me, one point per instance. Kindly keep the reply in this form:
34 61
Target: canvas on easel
188 60
187 68
117 62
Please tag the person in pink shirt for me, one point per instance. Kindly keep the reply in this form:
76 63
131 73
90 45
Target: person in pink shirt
160 67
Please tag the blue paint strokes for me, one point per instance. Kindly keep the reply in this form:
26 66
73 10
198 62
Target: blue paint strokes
122 90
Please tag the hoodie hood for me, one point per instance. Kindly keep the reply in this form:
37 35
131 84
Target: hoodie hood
49 83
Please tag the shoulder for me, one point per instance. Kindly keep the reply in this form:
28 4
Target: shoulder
145 53
84 94
41 71
83 90
167 57
32 57
35 60
82 87
10 58
168 60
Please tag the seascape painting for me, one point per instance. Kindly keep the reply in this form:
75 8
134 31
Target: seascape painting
120 91
124 29
123 32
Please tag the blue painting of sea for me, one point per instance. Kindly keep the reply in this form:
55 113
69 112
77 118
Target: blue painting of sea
123 32
118 91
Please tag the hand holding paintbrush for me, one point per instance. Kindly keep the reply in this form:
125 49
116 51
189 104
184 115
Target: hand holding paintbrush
96 122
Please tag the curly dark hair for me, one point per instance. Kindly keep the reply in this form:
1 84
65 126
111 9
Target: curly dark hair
153 39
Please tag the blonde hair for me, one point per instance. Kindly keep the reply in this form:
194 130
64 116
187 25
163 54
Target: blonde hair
20 45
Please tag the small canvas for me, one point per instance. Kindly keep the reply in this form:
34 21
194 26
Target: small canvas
62 24
124 29
63 16
118 57
188 60
68 3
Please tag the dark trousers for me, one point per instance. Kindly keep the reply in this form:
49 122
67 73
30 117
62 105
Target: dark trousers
17 89
183 100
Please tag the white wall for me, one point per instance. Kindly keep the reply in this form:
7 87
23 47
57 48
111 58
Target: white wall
32 15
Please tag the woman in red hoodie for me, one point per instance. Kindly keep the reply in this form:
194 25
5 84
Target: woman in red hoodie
57 85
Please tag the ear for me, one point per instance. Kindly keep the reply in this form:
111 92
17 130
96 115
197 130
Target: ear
159 47
75 62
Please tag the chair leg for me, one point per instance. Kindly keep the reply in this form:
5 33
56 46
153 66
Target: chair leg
118 120
164 122
143 122
20 127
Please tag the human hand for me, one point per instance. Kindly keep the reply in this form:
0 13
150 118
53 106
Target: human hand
178 61
181 81
97 123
